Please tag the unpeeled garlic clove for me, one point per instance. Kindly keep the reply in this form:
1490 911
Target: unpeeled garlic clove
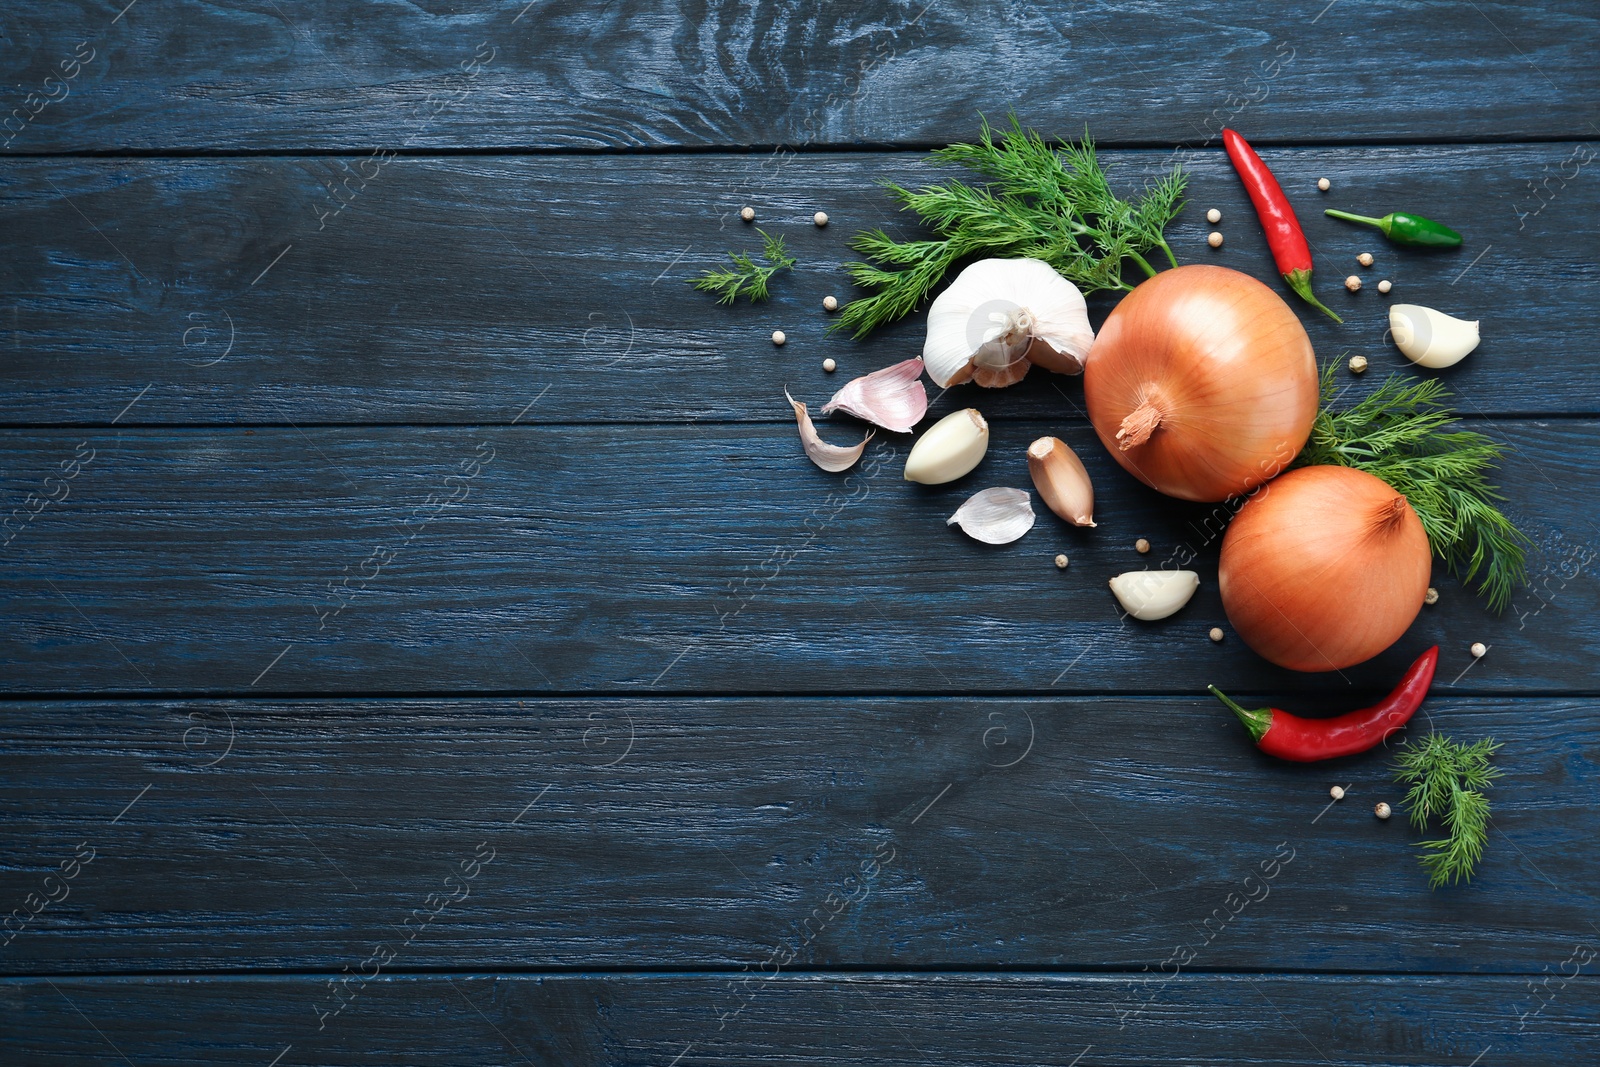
831 458
1151 595
893 397
950 448
1062 481
1431 338
995 516
1042 354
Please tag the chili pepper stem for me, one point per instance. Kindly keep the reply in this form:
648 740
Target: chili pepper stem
1331 213
1256 720
1300 282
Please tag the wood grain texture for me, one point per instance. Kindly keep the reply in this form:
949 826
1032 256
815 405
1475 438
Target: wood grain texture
964 832
429 646
465 1020
456 290
672 558
515 74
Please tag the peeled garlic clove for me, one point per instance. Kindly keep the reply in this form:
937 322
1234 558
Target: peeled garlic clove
997 313
831 458
951 447
1431 338
1062 481
995 516
892 397
1151 595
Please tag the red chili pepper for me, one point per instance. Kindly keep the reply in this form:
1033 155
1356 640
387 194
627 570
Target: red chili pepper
1278 733
1288 244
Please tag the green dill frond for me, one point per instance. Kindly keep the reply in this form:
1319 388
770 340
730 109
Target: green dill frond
774 252
898 291
1041 201
1447 780
747 278
1401 432
1159 205
1451 859
877 245
1020 163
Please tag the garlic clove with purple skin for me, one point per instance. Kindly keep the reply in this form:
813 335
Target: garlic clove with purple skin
831 458
999 317
893 397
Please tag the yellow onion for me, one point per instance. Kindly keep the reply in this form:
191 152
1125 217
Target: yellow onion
1202 383
1324 567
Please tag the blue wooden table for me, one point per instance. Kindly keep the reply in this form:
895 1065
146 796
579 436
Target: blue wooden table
424 642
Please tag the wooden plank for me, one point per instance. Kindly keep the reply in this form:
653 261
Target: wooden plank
976 832
566 75
461 1020
668 558
456 290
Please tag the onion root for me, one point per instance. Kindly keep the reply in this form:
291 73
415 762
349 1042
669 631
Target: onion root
1139 424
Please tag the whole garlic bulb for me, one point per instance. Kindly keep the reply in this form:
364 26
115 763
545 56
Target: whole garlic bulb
1000 315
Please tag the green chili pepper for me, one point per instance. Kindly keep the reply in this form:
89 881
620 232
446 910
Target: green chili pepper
1405 229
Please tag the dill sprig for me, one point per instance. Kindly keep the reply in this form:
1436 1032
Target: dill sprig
1447 780
1046 202
1401 433
747 278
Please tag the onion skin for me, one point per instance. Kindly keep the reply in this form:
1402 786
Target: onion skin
1323 568
1208 377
